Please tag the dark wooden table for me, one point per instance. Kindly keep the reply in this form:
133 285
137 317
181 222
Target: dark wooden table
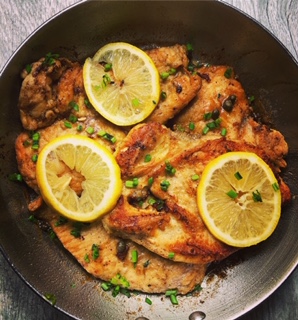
18 18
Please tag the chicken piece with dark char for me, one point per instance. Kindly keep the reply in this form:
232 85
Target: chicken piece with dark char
178 85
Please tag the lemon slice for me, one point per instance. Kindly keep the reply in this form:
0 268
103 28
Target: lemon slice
78 177
122 83
239 199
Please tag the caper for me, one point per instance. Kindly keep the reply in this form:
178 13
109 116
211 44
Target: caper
215 114
121 246
228 104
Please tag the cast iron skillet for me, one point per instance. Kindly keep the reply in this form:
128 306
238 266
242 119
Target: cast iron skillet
220 35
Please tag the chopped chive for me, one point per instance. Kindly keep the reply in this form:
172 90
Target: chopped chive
74 105
257 196
223 132
34 158
171 292
126 292
195 177
207 116
206 130
174 299
172 71
101 133
169 168
191 126
79 127
171 255
90 130
132 183
52 234
36 136
173 296
164 185
28 68
67 124
72 118
106 80
134 257
32 218
95 251
217 122
135 182
86 258
120 280
148 158
113 139
211 125
150 181
50 58
275 186
238 176
129 184
116 291
35 146
76 233
106 286
61 221
87 103
164 75
151 201
108 67
189 47
15 177
135 102
107 136
251 99
147 300
197 288
232 194
228 73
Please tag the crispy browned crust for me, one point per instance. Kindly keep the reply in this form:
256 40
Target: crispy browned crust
151 274
180 88
178 227
47 91
87 116
215 90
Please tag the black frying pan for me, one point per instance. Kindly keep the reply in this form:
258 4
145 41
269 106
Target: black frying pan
220 35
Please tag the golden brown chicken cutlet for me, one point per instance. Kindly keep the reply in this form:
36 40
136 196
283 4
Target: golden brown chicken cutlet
161 213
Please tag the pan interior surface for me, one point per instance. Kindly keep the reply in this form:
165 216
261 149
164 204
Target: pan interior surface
219 35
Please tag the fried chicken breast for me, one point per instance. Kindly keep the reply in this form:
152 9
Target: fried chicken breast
151 273
47 91
178 85
86 117
166 219
221 103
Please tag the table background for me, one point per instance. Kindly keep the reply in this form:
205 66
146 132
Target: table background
18 18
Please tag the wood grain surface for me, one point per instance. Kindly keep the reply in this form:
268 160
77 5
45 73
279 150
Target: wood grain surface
18 19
